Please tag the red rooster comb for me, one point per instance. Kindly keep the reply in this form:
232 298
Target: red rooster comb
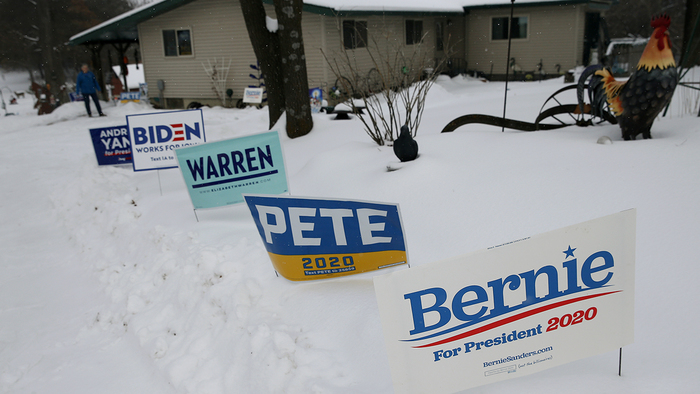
662 20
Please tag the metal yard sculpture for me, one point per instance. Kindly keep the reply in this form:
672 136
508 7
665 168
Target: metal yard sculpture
633 104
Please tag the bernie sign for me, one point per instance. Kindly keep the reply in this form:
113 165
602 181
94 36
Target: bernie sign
324 238
218 173
155 136
511 310
253 95
112 145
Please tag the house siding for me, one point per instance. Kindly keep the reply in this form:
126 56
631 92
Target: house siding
555 36
312 30
386 38
218 35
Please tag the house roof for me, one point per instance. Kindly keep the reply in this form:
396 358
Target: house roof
476 4
392 6
123 28
431 6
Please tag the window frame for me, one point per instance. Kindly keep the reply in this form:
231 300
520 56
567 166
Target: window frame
178 47
354 34
515 17
413 35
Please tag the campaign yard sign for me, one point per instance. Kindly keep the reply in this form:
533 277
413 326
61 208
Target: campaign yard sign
253 95
511 310
218 173
130 96
155 136
112 145
310 238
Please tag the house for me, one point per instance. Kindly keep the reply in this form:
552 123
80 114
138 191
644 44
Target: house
179 39
549 37
623 54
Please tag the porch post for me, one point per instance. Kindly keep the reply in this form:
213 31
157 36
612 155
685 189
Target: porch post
510 34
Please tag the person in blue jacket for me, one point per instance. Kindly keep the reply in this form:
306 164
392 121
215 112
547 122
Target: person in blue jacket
87 86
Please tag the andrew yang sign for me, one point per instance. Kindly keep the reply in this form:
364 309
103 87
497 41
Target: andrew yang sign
310 238
155 136
511 310
112 145
217 173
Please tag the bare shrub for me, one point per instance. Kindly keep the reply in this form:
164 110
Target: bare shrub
392 92
218 73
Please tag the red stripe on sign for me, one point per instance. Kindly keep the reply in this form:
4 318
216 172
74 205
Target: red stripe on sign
179 139
179 132
512 319
176 125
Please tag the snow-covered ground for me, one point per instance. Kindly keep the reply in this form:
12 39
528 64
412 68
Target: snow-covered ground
109 286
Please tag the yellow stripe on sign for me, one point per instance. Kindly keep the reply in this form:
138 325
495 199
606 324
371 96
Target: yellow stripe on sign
324 266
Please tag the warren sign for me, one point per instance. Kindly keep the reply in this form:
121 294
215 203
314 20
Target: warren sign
112 145
155 136
511 310
217 173
323 238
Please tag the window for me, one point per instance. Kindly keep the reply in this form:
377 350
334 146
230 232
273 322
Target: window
414 32
499 28
177 42
354 34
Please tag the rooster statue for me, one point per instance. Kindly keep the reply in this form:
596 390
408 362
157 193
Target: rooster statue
637 101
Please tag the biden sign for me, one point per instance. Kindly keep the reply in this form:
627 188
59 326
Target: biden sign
155 136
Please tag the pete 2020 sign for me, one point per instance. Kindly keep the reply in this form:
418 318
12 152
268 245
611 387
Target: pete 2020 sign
155 136
111 145
218 173
130 96
511 310
310 238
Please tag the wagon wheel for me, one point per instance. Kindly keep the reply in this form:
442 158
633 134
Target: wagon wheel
342 89
374 81
568 114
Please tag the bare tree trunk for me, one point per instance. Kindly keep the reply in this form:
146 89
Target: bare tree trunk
293 59
267 50
53 70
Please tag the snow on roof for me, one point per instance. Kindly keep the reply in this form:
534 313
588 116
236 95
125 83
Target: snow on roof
390 5
352 5
134 78
414 5
482 3
117 18
631 41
